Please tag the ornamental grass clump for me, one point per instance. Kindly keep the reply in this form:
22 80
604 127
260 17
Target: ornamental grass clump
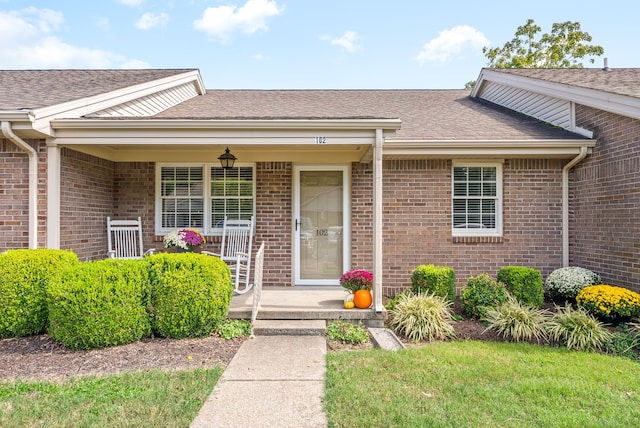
577 329
481 294
518 322
566 282
609 301
422 316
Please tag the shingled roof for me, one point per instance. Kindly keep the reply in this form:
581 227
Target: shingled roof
621 81
425 114
31 89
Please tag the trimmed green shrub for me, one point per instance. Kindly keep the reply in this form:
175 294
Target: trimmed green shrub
24 277
609 301
577 329
98 304
524 283
190 294
482 293
438 280
514 320
422 316
566 282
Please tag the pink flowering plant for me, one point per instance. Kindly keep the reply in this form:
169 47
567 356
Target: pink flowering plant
183 238
357 279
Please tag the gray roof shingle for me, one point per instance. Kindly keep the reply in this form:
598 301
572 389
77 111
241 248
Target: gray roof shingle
621 81
31 89
425 114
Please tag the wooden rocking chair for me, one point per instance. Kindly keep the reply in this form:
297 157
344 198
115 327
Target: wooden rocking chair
124 238
235 250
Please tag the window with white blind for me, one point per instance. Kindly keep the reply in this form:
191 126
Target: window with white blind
201 196
477 199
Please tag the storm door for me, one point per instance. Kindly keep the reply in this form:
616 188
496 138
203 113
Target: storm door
321 224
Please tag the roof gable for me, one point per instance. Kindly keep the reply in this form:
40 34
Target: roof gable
549 94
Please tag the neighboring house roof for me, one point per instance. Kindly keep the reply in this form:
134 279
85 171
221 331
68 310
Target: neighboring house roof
621 81
425 114
550 94
33 89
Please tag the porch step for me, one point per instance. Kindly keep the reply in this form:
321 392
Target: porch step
263 327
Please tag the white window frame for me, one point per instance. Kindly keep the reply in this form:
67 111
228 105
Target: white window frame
497 231
206 186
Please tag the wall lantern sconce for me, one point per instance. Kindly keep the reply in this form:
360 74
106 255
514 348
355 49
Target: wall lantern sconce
227 159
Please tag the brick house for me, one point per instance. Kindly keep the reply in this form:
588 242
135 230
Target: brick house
533 167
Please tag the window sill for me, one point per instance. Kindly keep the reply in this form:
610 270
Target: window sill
477 239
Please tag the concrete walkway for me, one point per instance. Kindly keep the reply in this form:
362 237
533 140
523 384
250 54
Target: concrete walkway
272 381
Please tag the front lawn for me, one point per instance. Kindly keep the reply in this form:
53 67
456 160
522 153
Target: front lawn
144 399
481 384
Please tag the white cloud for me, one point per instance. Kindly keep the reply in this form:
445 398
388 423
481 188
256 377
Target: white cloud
220 22
135 63
259 57
452 42
150 20
347 41
131 2
28 40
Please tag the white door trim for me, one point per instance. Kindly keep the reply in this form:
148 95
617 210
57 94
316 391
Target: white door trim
346 219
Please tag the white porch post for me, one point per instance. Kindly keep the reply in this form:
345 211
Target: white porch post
377 222
53 197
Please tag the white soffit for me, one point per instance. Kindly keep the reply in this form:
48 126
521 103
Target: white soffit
542 107
151 104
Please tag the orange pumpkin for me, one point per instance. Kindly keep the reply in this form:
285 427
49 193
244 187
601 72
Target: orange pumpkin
362 299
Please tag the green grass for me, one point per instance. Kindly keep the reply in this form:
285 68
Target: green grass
148 399
481 384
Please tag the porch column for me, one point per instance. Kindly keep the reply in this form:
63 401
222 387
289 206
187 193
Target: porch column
53 197
377 223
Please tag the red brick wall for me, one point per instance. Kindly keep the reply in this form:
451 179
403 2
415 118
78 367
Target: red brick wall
417 221
605 230
134 196
14 195
86 199
273 220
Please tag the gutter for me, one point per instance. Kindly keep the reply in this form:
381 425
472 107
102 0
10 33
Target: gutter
565 203
33 180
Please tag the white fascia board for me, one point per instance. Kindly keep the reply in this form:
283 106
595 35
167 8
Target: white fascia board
505 148
84 106
619 104
177 124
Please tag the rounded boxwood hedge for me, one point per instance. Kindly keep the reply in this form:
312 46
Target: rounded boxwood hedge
98 304
24 277
481 294
438 280
524 283
190 294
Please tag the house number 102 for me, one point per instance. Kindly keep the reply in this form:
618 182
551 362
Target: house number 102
321 140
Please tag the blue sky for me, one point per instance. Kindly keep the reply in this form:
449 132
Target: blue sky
298 44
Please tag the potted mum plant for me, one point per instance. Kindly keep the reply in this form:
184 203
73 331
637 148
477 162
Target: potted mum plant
358 283
183 239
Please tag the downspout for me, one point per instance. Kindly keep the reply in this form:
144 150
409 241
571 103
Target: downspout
565 203
377 223
33 181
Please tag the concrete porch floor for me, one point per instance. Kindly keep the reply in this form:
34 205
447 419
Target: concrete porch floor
302 303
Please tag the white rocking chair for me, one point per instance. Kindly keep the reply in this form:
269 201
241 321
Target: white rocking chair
124 238
235 250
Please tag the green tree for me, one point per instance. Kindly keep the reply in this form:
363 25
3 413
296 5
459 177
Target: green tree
565 47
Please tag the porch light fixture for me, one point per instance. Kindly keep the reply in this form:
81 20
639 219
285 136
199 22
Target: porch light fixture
227 159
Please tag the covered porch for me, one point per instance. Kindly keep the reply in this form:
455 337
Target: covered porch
303 303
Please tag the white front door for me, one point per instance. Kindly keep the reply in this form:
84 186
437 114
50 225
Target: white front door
321 224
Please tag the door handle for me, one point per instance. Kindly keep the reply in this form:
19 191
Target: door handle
297 223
